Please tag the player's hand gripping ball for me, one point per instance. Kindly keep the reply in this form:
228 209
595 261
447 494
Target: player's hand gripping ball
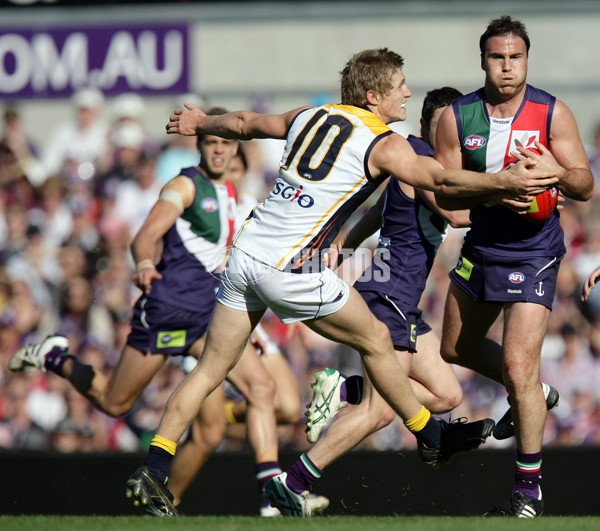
542 206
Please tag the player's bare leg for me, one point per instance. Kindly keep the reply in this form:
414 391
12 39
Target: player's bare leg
256 384
288 402
204 436
524 329
356 326
432 379
114 395
226 339
207 432
346 431
251 378
288 405
464 342
227 336
388 372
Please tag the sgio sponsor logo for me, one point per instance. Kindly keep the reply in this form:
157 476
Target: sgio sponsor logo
292 194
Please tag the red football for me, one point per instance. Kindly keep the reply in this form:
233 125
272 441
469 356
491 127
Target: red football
542 206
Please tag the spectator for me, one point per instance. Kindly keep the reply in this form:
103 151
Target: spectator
18 154
89 319
79 145
17 429
134 199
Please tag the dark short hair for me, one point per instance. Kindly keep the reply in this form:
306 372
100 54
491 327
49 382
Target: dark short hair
437 98
213 111
504 25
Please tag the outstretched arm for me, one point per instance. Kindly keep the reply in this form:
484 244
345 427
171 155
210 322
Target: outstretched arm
240 125
394 155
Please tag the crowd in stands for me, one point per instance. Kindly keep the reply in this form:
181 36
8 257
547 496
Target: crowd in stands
68 211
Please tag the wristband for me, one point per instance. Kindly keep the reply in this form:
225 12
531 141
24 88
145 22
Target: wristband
145 264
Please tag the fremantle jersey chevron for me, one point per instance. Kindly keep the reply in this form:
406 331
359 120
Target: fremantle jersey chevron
409 239
486 144
323 178
194 247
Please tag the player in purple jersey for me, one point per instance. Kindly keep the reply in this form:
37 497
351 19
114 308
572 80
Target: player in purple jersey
186 235
353 150
412 229
512 267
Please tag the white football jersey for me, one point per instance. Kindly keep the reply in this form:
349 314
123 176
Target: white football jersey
323 178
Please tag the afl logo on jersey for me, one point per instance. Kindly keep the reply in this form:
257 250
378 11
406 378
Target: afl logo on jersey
209 204
516 277
474 142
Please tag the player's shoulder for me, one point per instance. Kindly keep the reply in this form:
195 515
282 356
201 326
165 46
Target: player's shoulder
538 95
389 148
184 184
392 141
471 97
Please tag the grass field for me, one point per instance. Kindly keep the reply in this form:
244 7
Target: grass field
333 523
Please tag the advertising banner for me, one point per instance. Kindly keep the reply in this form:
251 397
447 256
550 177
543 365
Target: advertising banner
56 61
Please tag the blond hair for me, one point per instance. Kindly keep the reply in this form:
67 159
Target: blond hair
368 70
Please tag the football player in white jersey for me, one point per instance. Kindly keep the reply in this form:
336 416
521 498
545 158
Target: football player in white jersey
335 155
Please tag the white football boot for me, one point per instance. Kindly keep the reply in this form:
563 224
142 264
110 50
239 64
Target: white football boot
325 403
32 357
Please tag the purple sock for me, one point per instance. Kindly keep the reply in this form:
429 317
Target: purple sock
302 474
351 389
264 472
55 359
528 474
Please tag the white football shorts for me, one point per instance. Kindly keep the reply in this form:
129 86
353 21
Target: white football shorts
250 285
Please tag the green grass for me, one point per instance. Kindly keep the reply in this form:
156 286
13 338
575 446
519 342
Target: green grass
332 523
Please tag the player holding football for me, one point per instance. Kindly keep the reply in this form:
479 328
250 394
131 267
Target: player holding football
509 264
335 156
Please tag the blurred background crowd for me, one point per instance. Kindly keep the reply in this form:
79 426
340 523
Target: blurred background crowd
68 211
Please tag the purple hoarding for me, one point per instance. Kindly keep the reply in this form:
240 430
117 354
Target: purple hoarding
54 62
